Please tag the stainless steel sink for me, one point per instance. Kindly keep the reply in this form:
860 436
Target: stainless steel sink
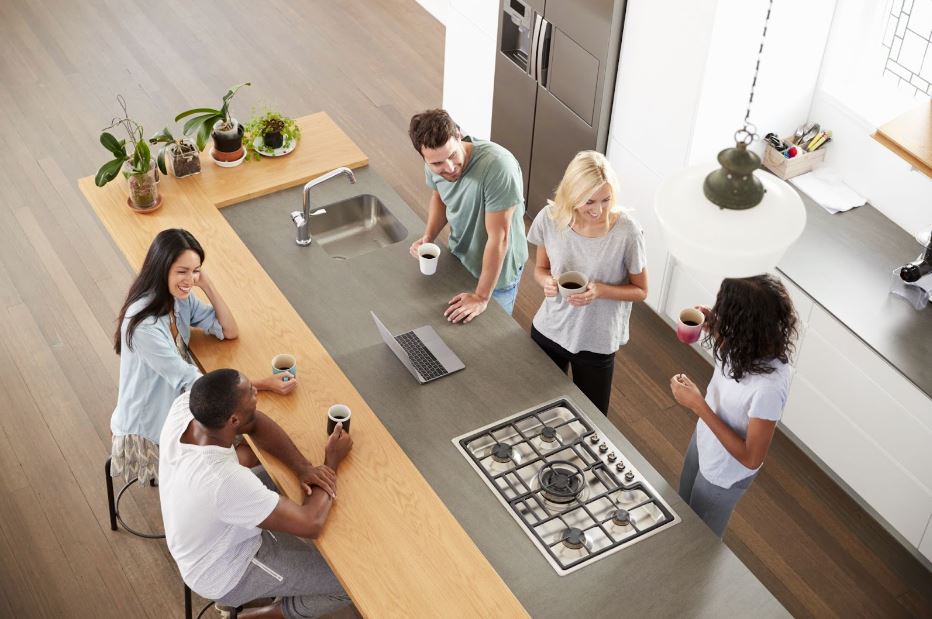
354 227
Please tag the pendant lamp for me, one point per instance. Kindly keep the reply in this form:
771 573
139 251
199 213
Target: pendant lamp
731 220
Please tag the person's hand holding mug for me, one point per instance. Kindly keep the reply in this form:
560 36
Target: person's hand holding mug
414 246
282 383
586 297
338 447
550 287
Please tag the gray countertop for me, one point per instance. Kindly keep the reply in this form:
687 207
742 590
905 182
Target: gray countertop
845 263
683 571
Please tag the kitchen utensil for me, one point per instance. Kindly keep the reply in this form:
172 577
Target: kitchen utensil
801 131
809 135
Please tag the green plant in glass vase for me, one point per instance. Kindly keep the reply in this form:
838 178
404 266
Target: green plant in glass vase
226 131
137 165
270 131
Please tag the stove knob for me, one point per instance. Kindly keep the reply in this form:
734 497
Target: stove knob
603 448
612 457
629 476
594 439
620 466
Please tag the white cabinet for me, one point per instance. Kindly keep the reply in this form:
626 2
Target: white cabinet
925 547
866 422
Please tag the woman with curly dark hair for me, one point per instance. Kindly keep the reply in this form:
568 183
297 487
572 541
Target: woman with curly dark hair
751 331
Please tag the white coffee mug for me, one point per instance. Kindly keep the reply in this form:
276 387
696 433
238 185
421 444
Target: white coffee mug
428 255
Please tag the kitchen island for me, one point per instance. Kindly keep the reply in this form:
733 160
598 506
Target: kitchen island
415 531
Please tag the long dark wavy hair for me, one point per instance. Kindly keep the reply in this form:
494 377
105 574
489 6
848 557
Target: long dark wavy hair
752 324
153 280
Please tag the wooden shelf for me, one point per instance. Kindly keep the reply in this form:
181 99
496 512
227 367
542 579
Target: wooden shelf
910 137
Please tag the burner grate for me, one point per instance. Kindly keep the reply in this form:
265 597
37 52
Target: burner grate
557 480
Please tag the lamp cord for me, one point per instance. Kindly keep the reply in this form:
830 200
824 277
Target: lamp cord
748 133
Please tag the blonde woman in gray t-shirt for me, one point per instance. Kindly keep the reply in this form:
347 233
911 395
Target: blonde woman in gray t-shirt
583 229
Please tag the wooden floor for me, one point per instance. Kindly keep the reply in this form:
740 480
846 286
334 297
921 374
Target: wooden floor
370 65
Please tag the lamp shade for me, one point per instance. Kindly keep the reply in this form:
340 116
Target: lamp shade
727 242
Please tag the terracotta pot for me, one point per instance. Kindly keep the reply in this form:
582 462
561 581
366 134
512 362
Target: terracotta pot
219 155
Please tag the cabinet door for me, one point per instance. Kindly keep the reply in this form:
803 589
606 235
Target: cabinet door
513 103
558 135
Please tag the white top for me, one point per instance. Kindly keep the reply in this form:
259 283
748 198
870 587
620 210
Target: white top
211 508
602 326
756 395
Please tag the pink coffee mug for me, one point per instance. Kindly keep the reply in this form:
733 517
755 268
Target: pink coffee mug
689 326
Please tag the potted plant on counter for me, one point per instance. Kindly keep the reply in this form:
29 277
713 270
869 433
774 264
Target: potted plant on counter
177 156
226 131
138 168
271 134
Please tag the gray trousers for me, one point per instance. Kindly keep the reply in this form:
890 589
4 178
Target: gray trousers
712 503
291 569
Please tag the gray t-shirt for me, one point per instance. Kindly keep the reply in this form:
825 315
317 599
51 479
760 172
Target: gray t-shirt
602 326
491 182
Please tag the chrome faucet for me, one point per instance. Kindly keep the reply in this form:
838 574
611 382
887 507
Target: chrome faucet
300 218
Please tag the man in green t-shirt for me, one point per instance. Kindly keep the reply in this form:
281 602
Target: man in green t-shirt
477 189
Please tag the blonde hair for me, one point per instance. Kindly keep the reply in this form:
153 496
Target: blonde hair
585 175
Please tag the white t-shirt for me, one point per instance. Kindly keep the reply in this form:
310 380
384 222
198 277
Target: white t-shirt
757 395
211 506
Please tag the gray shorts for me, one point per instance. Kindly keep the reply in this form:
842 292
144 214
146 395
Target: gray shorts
287 567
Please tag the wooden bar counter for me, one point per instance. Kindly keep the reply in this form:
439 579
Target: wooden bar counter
392 543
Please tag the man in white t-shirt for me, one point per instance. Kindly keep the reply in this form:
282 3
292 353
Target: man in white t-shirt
218 514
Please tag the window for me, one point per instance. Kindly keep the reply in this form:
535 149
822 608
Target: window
907 48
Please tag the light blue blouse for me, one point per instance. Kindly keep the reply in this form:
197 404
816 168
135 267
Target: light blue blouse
153 373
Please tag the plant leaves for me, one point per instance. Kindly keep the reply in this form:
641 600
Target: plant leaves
112 144
108 171
197 110
225 110
193 124
160 160
164 136
143 155
202 135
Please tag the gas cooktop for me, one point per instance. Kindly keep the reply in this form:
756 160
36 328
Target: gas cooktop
569 488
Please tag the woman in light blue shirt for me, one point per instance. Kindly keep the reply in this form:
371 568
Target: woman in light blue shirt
152 341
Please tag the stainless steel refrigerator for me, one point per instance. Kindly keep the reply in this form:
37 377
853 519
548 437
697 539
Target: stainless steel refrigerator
554 82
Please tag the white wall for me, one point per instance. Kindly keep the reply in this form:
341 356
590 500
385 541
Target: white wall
469 60
853 99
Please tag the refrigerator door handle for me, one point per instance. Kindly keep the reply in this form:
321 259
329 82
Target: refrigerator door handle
532 65
543 53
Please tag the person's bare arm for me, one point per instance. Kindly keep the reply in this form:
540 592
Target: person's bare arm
634 290
224 315
269 436
307 519
436 220
467 305
750 450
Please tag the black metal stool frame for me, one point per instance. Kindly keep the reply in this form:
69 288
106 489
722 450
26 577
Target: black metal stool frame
234 612
114 506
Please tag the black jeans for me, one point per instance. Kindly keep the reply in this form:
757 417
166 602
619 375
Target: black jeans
592 371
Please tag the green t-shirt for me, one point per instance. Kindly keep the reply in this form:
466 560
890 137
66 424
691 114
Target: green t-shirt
491 182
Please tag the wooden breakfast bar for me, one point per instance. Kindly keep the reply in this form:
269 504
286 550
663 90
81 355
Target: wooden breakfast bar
395 547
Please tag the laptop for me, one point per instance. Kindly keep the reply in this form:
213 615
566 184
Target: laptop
422 351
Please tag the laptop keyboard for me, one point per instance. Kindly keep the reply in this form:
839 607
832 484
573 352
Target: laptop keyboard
422 359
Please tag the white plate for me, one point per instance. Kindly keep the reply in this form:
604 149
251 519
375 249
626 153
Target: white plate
228 164
281 151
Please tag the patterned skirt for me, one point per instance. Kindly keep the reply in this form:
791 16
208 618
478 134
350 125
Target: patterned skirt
134 457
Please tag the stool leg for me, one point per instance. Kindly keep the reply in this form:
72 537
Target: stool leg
187 602
110 502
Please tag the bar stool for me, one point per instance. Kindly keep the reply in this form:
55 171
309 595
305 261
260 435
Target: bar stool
234 612
114 505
